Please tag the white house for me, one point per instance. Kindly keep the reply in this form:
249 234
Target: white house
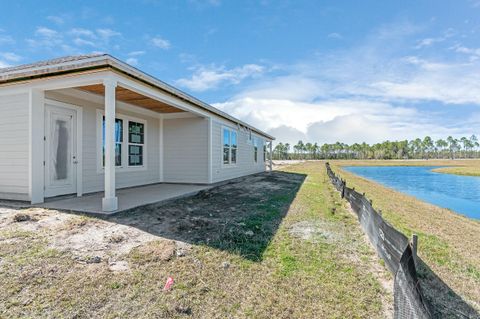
92 123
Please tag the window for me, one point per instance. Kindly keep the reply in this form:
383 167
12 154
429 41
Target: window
118 141
255 149
264 152
130 142
136 136
230 146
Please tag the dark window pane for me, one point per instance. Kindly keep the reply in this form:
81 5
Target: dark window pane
234 155
135 155
136 132
118 154
255 154
225 155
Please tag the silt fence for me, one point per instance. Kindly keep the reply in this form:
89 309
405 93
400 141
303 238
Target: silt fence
393 247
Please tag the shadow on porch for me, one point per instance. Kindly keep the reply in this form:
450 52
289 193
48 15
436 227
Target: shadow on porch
128 198
241 216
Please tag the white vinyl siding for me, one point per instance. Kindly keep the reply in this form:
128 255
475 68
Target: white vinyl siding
93 178
245 162
185 150
14 146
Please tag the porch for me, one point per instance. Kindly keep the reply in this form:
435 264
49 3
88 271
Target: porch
128 198
96 125
118 131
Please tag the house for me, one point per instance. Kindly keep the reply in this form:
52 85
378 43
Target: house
92 123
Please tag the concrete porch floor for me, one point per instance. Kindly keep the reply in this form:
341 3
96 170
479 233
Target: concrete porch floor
128 198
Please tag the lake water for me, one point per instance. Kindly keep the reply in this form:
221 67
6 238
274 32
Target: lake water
458 193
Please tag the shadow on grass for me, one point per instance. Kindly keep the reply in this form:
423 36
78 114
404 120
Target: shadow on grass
443 301
240 217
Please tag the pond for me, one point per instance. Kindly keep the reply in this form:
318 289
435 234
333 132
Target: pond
458 193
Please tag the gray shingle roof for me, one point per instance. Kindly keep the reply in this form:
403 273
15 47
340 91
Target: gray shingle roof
81 62
45 63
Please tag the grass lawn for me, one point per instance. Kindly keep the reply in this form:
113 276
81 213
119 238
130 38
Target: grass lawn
469 168
280 245
448 242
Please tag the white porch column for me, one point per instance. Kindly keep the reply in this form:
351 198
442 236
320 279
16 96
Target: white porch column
37 145
109 201
270 163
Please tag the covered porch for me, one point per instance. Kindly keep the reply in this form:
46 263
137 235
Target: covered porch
92 161
128 198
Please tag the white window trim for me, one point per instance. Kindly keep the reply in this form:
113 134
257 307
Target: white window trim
229 165
125 167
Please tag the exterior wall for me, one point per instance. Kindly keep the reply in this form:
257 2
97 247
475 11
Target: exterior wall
93 177
185 152
14 147
245 159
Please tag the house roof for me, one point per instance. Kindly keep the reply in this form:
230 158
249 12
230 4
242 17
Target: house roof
78 63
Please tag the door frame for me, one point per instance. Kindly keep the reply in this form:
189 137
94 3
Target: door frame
79 150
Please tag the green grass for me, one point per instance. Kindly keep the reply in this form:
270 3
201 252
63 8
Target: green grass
445 238
272 274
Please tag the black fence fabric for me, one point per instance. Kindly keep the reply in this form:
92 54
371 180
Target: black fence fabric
393 247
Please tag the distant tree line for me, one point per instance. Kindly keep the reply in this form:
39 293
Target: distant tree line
425 148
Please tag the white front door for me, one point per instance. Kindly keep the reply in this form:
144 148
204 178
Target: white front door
60 151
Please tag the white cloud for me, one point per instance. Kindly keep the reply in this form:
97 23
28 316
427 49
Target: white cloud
132 61
334 35
72 41
82 42
370 93
4 64
136 53
202 3
205 78
45 38
107 33
56 19
160 43
428 42
81 32
6 39
10 56
46 32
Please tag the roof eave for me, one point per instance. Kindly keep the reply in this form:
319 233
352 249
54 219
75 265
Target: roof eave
110 61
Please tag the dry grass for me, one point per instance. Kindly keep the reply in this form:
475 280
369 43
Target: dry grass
448 242
239 251
471 168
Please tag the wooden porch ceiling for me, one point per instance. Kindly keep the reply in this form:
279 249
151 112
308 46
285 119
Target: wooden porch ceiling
134 98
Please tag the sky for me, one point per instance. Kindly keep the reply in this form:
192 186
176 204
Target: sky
317 71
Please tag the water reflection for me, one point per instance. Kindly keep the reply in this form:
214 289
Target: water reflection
458 193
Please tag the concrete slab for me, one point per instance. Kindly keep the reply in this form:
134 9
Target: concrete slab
128 198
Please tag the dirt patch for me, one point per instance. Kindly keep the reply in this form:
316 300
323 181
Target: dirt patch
89 237
163 250
315 231
224 217
228 250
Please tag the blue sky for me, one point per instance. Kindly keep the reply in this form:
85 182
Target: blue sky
320 71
